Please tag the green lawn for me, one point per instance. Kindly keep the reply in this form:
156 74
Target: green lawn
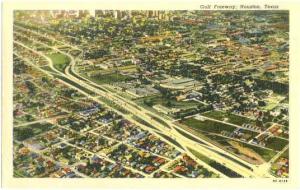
169 103
60 61
18 173
221 140
28 131
231 118
264 153
110 78
48 68
113 105
159 120
286 154
207 125
276 143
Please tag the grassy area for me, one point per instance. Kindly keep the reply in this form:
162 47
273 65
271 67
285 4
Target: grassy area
183 107
22 133
169 103
110 78
264 153
273 101
171 140
285 154
75 85
24 118
191 137
141 121
220 167
159 120
228 117
207 125
113 105
60 61
18 173
42 48
47 68
276 143
127 68
221 140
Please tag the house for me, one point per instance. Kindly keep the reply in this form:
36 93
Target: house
149 169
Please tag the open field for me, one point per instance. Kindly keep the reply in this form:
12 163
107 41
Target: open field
272 101
109 78
168 103
22 133
60 61
264 153
228 117
276 143
207 125
246 152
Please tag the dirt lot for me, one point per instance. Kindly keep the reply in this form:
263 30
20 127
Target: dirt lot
247 153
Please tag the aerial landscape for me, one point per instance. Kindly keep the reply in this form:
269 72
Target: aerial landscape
150 94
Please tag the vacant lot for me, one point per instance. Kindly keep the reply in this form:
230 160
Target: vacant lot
249 154
22 133
228 117
272 101
276 143
110 78
207 125
169 103
264 153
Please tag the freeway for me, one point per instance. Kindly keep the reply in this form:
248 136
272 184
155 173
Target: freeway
72 167
70 77
130 106
144 114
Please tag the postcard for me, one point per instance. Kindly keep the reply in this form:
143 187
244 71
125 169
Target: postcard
181 94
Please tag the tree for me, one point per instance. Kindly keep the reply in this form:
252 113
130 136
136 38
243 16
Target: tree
29 117
148 102
23 133
262 103
169 104
115 127
45 79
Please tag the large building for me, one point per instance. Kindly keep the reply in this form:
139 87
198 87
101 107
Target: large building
184 84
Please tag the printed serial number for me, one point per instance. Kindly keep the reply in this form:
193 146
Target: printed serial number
280 180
